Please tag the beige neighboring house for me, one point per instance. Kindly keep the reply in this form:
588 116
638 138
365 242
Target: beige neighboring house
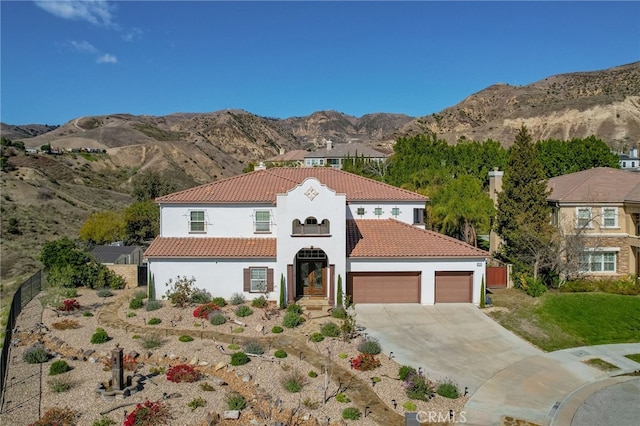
603 205
334 154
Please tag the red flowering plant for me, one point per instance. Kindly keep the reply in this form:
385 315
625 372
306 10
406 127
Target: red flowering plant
69 305
128 362
182 373
149 414
365 362
205 310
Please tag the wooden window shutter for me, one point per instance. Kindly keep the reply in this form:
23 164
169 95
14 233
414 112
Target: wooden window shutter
247 279
270 279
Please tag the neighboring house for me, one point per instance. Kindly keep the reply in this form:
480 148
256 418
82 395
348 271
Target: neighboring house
125 261
603 206
291 158
304 228
334 154
630 161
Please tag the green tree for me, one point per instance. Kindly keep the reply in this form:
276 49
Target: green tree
523 219
103 227
62 252
142 221
563 157
150 185
461 208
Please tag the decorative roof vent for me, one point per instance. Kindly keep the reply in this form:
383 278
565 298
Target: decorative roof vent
260 166
329 145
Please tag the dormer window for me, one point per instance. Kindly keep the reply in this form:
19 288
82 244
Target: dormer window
378 211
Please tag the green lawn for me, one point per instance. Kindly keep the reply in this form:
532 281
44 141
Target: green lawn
564 320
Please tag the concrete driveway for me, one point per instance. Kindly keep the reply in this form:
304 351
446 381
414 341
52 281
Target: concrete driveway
455 341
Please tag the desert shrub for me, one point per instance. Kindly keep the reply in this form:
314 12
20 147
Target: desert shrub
410 406
66 324
239 358
69 305
253 348
136 303
418 387
365 362
311 404
58 416
342 355
277 329
217 319
205 310
404 371
316 337
153 305
104 292
259 302
207 387
37 354
280 353
237 299
104 421
180 290
219 301
293 381
157 370
60 384
195 403
149 414
369 346
238 330
312 374
294 308
351 413
131 314
339 312
448 389
292 319
182 373
58 367
234 346
200 297
243 311
140 294
100 336
154 321
185 338
151 341
235 401
69 292
330 329
343 398
87 314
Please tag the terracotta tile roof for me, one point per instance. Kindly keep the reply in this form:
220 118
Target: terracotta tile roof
391 238
598 185
211 247
262 186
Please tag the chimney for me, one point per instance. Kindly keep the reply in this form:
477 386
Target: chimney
329 145
495 185
633 152
281 151
260 166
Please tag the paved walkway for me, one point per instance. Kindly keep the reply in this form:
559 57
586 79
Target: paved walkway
549 389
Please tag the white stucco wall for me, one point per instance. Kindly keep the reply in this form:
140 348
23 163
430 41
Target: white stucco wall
311 198
406 210
428 268
221 277
220 220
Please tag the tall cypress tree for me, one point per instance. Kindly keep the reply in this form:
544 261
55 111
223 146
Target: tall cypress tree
523 219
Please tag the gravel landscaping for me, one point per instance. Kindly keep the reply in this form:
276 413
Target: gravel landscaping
317 368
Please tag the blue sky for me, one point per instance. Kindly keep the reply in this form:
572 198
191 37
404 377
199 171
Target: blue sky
62 60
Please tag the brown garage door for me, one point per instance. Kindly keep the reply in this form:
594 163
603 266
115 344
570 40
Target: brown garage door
384 287
454 287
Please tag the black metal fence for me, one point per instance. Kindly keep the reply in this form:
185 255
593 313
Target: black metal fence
23 295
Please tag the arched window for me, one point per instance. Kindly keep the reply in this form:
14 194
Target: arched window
311 227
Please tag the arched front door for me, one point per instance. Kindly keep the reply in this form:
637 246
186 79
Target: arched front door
311 265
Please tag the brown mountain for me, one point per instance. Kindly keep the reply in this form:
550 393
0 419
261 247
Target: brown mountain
47 196
576 105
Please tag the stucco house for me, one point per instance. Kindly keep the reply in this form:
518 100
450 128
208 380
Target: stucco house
334 154
602 207
304 228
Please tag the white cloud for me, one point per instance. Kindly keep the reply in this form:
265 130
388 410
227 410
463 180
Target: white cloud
107 58
82 46
131 34
97 12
